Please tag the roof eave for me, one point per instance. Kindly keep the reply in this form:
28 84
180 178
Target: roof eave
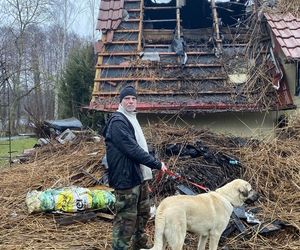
168 108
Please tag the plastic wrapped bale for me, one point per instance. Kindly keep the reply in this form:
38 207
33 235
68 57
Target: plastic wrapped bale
72 199
68 199
103 199
38 201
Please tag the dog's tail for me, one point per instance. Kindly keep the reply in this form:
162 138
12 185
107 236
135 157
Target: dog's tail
160 221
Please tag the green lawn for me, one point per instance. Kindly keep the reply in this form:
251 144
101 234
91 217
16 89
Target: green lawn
17 148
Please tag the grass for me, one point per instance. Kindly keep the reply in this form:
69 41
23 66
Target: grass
17 148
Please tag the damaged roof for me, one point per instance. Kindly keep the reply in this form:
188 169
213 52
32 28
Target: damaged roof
286 30
110 16
137 52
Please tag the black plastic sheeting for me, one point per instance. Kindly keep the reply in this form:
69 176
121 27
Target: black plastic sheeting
198 163
61 125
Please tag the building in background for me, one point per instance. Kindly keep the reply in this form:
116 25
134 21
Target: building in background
228 65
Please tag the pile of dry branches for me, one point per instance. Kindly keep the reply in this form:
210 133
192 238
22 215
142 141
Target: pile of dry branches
292 6
271 167
53 166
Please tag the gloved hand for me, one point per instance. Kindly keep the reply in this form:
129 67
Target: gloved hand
163 167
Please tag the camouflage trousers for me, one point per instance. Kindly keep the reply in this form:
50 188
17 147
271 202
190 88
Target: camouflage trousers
132 213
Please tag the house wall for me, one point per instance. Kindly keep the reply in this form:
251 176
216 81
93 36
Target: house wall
247 124
290 70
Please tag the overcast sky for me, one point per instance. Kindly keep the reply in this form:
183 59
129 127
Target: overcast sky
83 22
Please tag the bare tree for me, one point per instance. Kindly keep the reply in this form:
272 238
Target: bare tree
64 13
35 40
93 10
19 14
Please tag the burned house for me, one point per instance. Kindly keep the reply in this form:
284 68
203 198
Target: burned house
222 63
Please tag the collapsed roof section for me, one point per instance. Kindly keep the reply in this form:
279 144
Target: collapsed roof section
186 55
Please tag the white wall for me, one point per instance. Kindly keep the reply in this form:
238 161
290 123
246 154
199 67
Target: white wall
247 124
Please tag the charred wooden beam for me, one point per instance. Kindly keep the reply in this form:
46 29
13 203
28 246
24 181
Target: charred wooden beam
122 42
160 21
139 47
125 53
161 8
99 93
123 79
133 10
198 65
178 20
126 31
216 25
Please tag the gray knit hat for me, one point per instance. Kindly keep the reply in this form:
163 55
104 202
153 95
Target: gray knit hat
128 90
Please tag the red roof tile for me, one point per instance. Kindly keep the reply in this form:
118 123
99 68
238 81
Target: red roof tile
286 30
110 14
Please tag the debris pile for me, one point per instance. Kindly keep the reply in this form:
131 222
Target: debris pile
285 6
193 155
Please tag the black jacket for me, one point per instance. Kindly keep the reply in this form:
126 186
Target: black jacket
124 155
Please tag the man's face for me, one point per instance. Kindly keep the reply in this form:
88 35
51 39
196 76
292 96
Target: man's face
129 103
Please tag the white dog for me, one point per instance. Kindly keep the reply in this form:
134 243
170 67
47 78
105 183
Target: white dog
205 214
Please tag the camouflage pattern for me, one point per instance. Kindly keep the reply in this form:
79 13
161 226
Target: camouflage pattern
132 213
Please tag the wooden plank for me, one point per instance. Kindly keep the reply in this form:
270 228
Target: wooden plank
122 79
160 21
156 36
156 46
96 86
197 65
160 8
126 31
105 216
197 53
132 20
133 10
178 20
139 47
89 175
140 35
153 93
121 42
216 24
80 217
118 53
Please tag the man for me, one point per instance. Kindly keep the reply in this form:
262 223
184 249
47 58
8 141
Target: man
129 170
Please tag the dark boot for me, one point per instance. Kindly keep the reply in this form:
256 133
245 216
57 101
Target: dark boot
140 243
140 246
